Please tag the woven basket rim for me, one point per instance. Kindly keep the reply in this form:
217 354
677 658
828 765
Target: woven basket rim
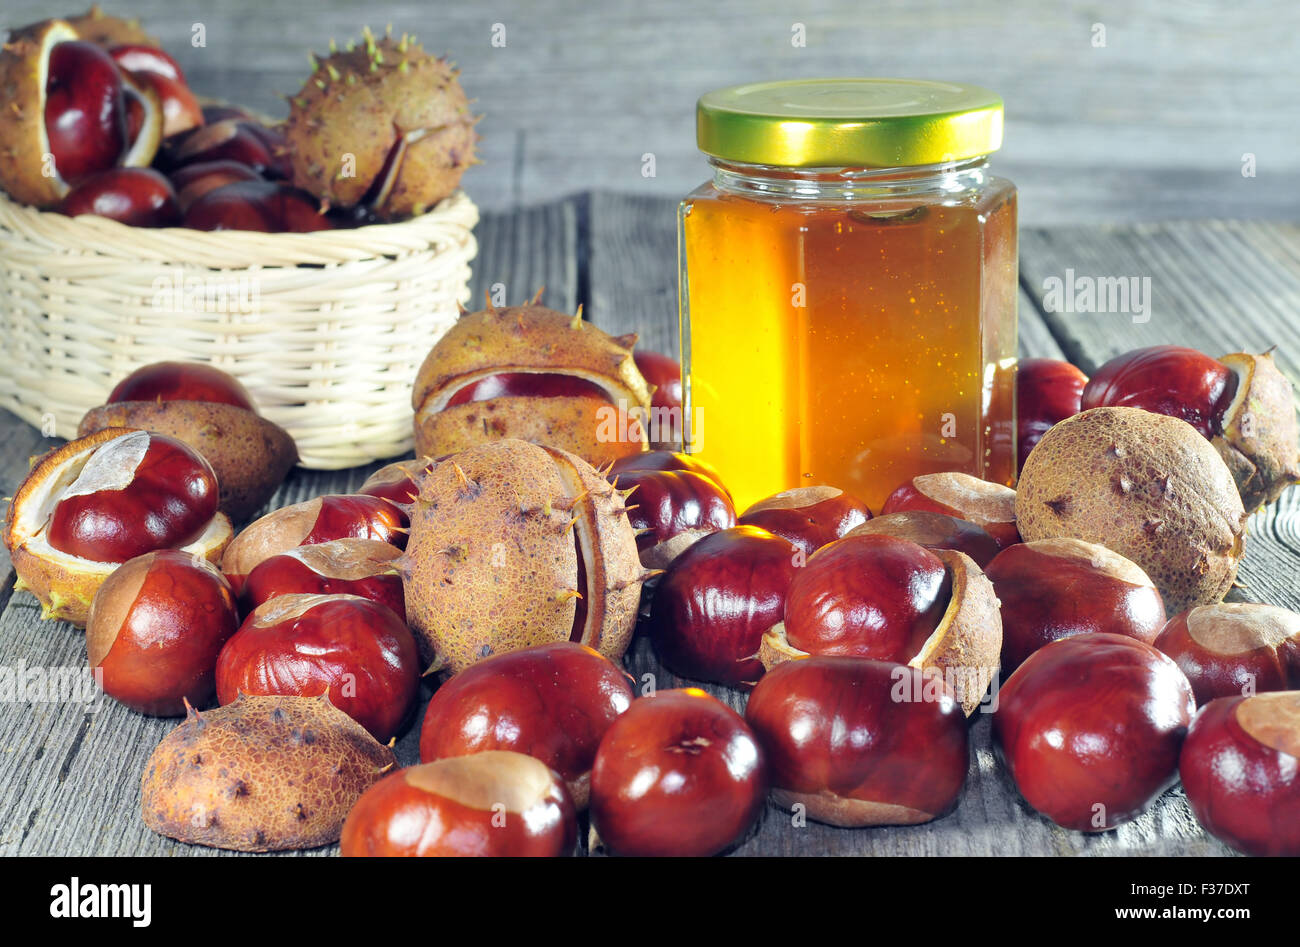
116 233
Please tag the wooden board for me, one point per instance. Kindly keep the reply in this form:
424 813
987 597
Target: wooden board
69 773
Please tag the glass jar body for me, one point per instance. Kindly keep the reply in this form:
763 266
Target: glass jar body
849 327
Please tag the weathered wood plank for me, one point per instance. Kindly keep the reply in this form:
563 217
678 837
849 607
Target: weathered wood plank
69 771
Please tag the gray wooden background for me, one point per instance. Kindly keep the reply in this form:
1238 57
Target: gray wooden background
1151 125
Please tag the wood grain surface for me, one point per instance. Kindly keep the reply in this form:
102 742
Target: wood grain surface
69 773
1151 125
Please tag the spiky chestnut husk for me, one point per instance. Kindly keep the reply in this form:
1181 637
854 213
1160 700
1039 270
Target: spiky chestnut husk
520 339
1260 441
100 28
492 563
23 141
397 111
261 774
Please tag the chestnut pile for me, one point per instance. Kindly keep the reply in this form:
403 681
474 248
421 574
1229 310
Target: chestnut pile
100 120
518 554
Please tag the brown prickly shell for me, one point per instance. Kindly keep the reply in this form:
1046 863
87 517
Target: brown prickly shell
492 560
1260 442
1146 486
104 30
528 338
250 455
967 644
23 141
261 774
571 423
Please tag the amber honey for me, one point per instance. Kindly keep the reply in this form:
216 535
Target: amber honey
849 327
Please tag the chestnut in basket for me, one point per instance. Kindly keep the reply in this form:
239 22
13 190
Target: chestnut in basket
1091 727
890 599
349 566
678 774
1056 588
860 742
934 531
152 66
809 517
155 629
92 504
263 206
552 701
334 516
988 505
713 605
531 373
671 510
1048 390
234 139
138 197
496 803
1234 649
1241 403
195 180
356 651
1240 767
212 413
664 375
512 545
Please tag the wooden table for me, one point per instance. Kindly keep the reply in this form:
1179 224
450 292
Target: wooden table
70 772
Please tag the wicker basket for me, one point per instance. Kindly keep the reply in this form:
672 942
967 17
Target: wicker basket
325 329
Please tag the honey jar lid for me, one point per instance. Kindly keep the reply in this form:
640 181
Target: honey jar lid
849 123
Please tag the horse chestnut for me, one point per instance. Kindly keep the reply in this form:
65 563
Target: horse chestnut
1056 588
181 381
934 531
989 505
262 206
493 803
1234 649
137 197
152 66
355 650
85 110
711 608
678 774
809 517
362 567
1048 390
137 493
664 375
155 629
1240 767
551 701
667 460
1091 728
671 510
334 516
192 181
1166 379
396 482
860 742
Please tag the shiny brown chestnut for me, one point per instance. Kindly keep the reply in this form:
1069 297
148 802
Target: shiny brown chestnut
353 649
349 566
1056 588
809 517
1234 649
1048 390
181 381
553 702
989 505
192 181
665 375
934 531
137 197
1091 727
1240 768
671 510
679 774
859 742
713 605
149 64
155 629
262 206
1166 379
496 803
334 516
85 110
396 482
667 460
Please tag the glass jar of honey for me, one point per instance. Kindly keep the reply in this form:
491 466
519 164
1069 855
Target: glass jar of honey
847 287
